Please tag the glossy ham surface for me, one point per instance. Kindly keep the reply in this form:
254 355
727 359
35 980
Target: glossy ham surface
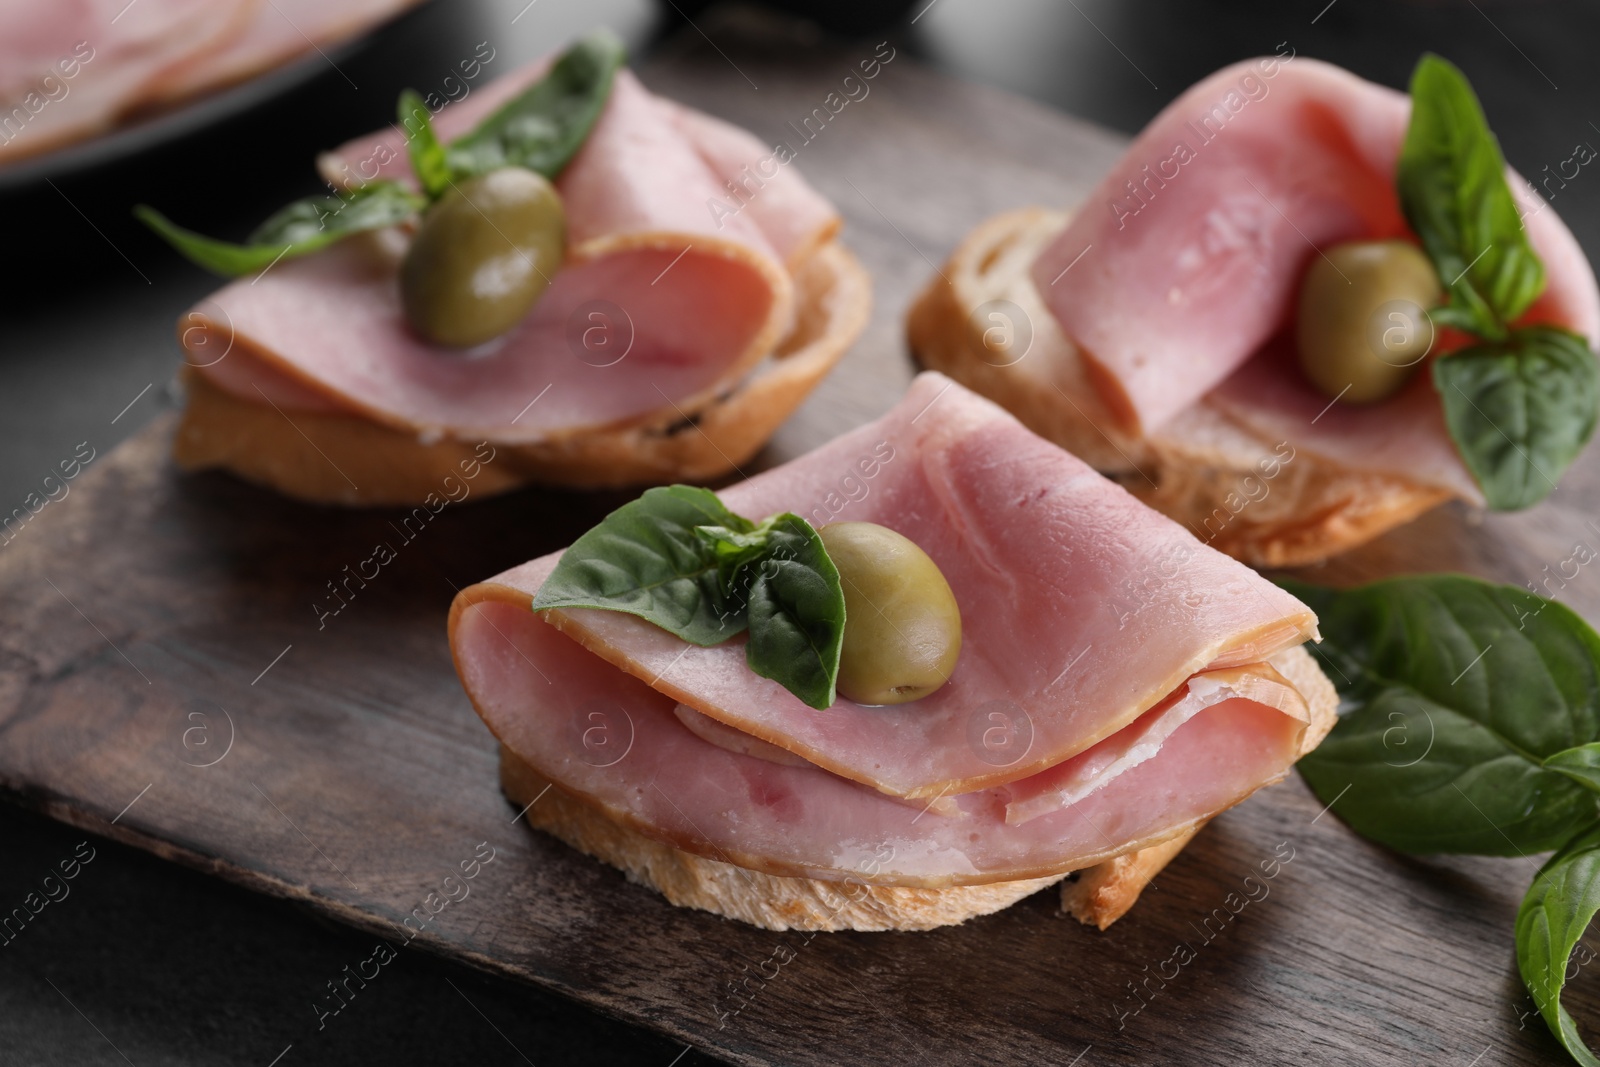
1187 256
1070 781
1055 569
777 208
661 302
607 737
1110 690
1404 436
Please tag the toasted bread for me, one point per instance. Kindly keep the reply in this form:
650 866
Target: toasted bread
1097 896
1188 468
338 458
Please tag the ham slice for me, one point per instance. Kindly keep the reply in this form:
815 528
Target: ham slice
276 32
130 57
1125 726
74 68
689 302
1193 246
1404 436
805 822
1052 565
790 217
1071 780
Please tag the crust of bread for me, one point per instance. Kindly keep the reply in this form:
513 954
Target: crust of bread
337 458
961 324
1098 896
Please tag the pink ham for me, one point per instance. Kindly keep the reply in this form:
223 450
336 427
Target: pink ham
609 738
1037 548
1193 246
131 57
790 216
688 306
277 32
73 68
1070 781
1054 567
1404 436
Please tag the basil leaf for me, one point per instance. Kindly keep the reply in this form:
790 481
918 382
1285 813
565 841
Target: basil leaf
1519 411
427 154
1581 764
300 228
797 613
1557 909
1452 184
677 557
1454 693
543 127
646 559
735 550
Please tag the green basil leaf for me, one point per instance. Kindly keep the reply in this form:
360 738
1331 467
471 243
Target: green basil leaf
737 549
1557 909
1581 764
1520 410
300 228
1454 692
1456 316
677 557
646 559
427 154
1452 184
797 613
543 127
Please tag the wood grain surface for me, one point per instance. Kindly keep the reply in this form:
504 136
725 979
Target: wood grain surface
165 682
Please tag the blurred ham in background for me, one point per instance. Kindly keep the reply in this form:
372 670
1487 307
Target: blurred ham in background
73 69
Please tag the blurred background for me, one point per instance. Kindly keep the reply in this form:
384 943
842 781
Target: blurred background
183 969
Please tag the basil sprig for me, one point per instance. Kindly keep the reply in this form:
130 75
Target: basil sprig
678 558
1520 410
541 128
1554 914
294 230
1452 185
1520 405
1470 723
422 145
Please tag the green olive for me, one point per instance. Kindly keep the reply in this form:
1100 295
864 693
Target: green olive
902 629
1362 327
482 257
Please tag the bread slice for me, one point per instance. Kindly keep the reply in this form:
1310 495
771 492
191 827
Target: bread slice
337 458
1098 896
961 325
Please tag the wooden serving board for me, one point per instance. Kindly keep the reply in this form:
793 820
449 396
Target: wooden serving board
165 682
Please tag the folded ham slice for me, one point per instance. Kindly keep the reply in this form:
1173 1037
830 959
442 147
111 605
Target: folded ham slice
689 302
72 68
1121 661
129 57
1053 566
276 32
1193 246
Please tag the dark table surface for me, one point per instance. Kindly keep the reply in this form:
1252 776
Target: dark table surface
147 963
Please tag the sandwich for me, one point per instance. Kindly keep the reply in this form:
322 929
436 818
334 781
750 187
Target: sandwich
1300 310
534 276
909 678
